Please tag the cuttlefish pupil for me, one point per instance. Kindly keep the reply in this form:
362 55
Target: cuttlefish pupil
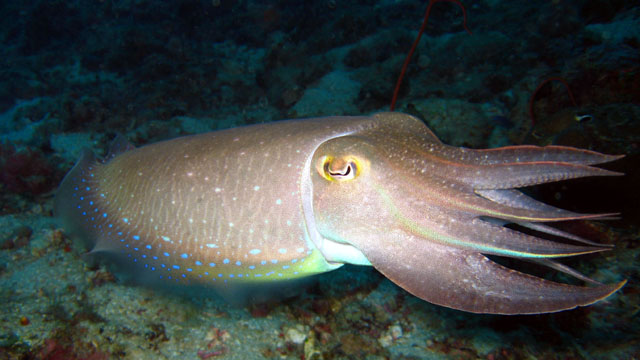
207 210
339 169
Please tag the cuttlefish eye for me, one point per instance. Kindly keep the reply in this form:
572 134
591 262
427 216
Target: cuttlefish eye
338 168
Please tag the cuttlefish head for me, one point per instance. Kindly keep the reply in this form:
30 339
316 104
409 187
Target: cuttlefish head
426 215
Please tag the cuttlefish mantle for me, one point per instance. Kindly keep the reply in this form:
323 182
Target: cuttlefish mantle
294 198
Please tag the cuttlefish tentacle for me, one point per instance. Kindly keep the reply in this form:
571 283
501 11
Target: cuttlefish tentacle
437 211
472 282
514 175
566 269
516 199
531 246
559 233
545 229
505 168
466 229
488 203
520 154
526 153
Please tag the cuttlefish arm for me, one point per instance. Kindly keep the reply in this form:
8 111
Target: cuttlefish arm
426 214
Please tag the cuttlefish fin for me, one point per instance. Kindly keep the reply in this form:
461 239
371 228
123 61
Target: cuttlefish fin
68 209
470 281
119 145
68 197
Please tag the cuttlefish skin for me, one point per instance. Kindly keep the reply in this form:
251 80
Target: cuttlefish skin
295 198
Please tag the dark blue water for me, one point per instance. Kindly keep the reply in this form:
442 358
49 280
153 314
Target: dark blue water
73 74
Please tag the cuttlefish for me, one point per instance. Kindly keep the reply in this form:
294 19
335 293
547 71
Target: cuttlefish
289 199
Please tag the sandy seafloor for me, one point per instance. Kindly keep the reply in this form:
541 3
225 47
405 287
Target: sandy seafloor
75 73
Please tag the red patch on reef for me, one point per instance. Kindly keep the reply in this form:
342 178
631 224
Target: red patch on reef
54 350
25 171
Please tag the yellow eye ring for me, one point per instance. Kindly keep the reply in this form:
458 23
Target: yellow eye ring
339 169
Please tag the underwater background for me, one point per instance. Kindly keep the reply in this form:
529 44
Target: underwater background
73 74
